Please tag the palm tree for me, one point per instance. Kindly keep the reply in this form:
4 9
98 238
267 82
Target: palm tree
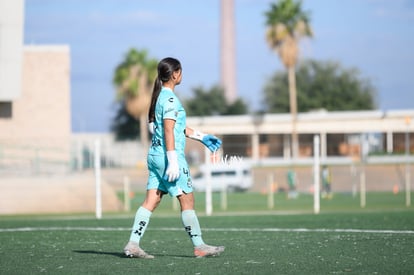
286 24
134 78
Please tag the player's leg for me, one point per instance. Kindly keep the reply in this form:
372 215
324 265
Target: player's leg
142 217
155 191
144 213
183 190
189 218
192 227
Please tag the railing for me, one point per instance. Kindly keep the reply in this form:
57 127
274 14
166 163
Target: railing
33 157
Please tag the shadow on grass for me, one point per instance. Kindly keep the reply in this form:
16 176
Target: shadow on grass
122 255
116 254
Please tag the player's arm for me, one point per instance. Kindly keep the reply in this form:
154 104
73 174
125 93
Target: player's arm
212 142
169 134
173 172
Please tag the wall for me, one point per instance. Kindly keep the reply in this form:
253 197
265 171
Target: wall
39 125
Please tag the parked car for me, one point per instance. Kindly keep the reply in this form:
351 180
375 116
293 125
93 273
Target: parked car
235 177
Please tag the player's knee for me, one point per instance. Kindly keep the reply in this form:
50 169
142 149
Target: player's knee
186 201
152 201
151 205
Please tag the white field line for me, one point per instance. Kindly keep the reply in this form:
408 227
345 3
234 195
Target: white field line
306 230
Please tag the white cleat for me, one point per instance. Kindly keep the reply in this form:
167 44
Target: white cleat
205 250
133 250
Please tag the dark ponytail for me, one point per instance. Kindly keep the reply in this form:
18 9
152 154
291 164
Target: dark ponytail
165 69
155 93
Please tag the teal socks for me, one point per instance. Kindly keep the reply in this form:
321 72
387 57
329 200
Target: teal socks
140 224
188 217
192 226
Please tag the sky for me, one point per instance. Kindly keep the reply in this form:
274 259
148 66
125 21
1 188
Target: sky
374 36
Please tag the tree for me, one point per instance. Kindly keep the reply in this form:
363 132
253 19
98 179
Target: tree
134 78
238 107
213 102
286 24
321 85
124 125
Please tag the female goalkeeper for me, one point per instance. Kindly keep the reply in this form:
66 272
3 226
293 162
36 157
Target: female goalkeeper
168 169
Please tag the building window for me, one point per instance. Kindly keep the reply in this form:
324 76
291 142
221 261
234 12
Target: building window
5 109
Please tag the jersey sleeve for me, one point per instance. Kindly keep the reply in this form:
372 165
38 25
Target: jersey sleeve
170 108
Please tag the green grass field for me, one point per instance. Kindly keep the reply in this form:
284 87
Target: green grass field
343 238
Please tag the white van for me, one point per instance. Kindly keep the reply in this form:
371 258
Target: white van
235 177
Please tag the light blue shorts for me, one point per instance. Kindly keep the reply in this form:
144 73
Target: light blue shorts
157 164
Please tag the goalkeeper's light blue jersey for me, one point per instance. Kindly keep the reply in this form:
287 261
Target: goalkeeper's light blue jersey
168 107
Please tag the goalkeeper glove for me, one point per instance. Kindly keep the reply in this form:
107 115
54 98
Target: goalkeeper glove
213 143
151 127
173 171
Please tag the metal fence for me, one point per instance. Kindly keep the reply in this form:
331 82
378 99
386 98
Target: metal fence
61 156
76 154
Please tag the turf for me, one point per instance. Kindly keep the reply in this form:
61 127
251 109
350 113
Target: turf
249 202
377 240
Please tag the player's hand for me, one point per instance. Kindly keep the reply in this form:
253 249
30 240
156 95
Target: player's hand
173 171
151 127
213 143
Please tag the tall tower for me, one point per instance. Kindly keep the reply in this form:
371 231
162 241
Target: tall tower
228 50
